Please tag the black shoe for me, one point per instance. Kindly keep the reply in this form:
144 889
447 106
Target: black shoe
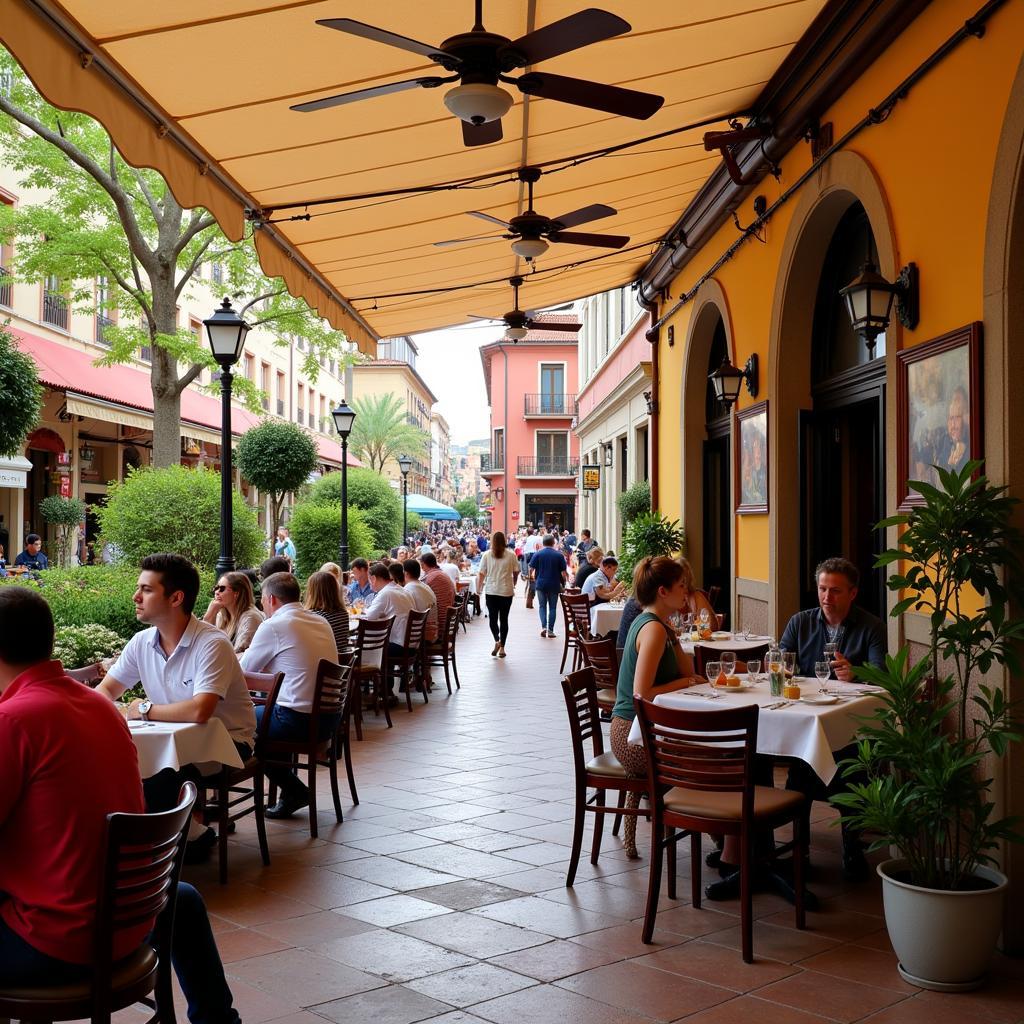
714 858
606 716
198 850
726 889
855 865
285 808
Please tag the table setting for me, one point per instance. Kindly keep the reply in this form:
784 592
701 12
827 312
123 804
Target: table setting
175 744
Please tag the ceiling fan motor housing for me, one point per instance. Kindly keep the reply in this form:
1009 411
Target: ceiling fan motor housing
477 99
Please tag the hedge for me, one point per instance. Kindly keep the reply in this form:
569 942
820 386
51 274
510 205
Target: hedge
316 531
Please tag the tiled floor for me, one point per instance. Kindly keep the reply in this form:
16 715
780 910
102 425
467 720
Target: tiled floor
442 896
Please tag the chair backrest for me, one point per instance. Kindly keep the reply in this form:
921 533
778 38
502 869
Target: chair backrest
579 613
372 635
451 628
601 656
142 857
330 695
705 750
579 689
415 628
703 654
88 674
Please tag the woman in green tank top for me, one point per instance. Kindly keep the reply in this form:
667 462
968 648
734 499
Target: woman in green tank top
652 663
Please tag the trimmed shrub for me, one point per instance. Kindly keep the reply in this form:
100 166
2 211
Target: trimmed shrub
316 530
634 502
649 534
368 491
177 509
65 514
78 646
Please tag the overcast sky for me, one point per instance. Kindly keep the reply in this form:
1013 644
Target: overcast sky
449 361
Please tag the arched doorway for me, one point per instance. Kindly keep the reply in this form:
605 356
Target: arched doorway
42 449
842 435
716 568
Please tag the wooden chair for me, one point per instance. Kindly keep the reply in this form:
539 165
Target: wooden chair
372 636
442 652
595 769
700 775
141 864
332 696
601 656
702 655
575 627
462 603
88 674
408 667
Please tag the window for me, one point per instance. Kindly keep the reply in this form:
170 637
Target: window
6 251
250 367
265 384
499 449
324 425
552 451
217 273
552 388
280 393
104 316
300 404
55 303
6 82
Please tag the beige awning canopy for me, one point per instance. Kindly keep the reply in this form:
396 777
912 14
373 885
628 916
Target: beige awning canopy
201 90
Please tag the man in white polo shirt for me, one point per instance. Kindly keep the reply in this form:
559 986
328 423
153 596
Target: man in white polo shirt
188 671
291 640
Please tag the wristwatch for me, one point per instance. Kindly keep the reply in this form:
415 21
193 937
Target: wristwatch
144 709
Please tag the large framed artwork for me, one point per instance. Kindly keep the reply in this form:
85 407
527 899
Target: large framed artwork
938 408
752 464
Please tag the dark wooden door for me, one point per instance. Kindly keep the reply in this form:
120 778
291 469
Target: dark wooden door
717 567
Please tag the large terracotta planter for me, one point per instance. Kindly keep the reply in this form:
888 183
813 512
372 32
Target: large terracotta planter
944 940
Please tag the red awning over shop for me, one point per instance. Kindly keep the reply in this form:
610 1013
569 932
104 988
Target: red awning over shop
70 369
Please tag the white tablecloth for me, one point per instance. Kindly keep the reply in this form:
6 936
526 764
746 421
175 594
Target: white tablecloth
735 644
174 744
604 618
806 731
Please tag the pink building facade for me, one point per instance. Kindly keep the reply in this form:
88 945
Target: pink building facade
533 466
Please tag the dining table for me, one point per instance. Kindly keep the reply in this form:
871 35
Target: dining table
605 617
175 744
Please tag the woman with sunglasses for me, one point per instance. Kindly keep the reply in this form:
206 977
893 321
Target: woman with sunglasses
233 610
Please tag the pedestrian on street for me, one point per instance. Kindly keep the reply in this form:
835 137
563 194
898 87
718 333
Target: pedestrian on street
548 573
497 581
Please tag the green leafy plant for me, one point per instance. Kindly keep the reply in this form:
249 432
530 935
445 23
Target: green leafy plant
634 502
415 522
381 431
373 496
66 514
467 508
78 646
177 509
276 457
650 533
926 753
316 530
23 394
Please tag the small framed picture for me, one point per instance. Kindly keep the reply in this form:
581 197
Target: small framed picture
752 463
938 409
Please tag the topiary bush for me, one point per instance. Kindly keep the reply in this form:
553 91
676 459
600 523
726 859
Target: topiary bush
634 502
316 531
373 495
65 514
78 646
177 509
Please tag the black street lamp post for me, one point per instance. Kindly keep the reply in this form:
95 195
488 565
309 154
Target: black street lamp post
343 418
405 464
226 331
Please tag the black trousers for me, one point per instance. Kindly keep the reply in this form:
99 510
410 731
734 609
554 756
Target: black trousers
497 616
161 790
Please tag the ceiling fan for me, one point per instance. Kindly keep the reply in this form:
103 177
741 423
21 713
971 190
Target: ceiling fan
479 59
521 321
532 231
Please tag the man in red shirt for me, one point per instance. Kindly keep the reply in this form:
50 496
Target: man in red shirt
442 586
67 760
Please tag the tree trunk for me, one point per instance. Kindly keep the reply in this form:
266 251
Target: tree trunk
164 376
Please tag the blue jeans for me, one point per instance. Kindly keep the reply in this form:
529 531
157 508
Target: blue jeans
193 953
288 724
547 608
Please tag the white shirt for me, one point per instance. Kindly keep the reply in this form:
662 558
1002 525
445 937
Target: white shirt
293 641
499 575
593 581
203 662
532 543
392 600
425 601
451 570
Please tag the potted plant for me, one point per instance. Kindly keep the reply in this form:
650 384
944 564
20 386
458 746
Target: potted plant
921 779
650 533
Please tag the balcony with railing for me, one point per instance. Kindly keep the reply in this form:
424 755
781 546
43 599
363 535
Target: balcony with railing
102 323
492 463
547 465
6 287
55 309
549 405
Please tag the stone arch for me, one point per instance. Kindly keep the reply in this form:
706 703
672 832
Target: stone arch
709 306
846 178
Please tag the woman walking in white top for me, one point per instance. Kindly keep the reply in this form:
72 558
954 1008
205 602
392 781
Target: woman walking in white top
497 581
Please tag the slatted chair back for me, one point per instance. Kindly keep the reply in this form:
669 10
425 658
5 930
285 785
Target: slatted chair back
579 612
702 654
451 627
262 684
372 635
601 656
579 689
415 630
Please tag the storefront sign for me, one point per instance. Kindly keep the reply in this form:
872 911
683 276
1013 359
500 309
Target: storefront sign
13 478
65 487
591 478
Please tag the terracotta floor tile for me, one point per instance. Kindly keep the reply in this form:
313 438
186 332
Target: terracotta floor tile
542 854
394 874
496 842
467 894
246 905
473 934
534 879
554 960
395 1004
694 922
542 915
394 910
241 943
254 1005
717 965
302 977
785 944
1001 999
399 842
918 1010
464 986
750 1009
547 1005
624 940
391 956
602 897
844 925
310 929
856 963
458 861
836 998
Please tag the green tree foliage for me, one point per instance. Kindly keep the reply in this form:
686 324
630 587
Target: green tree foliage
101 218
22 394
649 534
634 502
415 521
66 514
381 432
276 457
316 530
467 508
373 495
177 509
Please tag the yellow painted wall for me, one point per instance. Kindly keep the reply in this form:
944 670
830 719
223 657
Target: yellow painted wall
934 158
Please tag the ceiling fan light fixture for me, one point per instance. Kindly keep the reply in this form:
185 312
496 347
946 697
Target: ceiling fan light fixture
515 333
529 248
478 103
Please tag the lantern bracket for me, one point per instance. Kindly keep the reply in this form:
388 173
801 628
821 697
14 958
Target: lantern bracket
907 302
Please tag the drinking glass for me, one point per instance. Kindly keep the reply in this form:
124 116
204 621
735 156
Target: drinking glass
822 669
830 650
754 670
714 669
728 662
775 673
705 616
789 663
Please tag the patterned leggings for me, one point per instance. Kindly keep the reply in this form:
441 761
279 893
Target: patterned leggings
634 759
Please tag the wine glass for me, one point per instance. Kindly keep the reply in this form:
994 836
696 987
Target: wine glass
789 664
728 660
754 670
831 648
705 616
714 670
822 669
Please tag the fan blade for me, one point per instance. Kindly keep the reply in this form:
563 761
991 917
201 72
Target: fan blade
584 216
481 134
543 325
609 98
487 216
381 35
474 238
366 94
477 316
571 33
582 238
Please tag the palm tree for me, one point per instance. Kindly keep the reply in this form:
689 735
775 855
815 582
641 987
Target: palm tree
382 432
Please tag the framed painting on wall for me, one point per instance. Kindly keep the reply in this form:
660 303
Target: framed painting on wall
938 408
752 463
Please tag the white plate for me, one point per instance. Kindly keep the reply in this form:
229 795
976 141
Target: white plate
733 689
721 634
820 698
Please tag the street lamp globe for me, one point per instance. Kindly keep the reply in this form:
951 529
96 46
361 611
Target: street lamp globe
404 464
344 417
226 331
